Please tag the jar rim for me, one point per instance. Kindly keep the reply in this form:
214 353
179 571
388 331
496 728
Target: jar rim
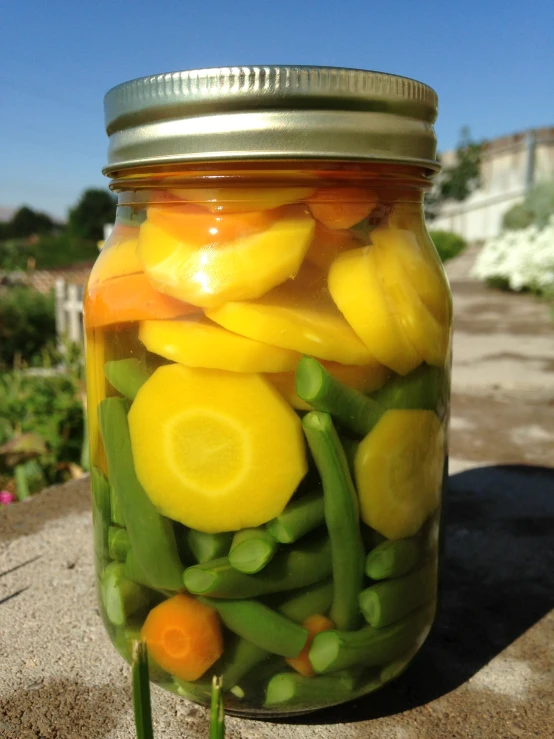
270 113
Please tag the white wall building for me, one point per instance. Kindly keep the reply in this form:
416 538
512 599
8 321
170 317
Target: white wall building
510 167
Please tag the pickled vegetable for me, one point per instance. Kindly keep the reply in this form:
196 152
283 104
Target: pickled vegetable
291 318
201 343
242 268
341 516
356 288
389 601
151 535
183 636
252 549
130 298
304 564
201 443
398 470
315 625
342 207
275 361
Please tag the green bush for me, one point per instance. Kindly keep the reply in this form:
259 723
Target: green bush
50 407
63 250
448 244
27 324
535 210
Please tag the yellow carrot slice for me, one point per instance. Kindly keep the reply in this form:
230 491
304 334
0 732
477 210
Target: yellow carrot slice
239 200
424 332
208 275
427 277
202 343
298 315
398 470
217 451
357 290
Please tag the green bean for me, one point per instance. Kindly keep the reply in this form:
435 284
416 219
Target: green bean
350 448
423 388
261 626
241 657
117 517
100 514
392 558
341 517
118 543
121 597
292 568
322 391
127 376
316 599
390 600
301 516
244 655
336 650
252 549
208 546
199 691
151 535
299 691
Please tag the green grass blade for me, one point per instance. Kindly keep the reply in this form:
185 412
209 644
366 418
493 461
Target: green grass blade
141 692
217 712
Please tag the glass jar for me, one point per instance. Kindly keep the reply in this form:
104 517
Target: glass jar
268 354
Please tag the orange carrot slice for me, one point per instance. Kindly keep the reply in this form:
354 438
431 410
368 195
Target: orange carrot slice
183 636
315 625
342 207
196 225
130 298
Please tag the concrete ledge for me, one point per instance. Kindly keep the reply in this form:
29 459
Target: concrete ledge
486 671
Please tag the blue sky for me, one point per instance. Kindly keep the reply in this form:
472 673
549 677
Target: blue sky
492 64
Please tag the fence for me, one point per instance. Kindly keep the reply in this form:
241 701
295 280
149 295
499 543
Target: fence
69 311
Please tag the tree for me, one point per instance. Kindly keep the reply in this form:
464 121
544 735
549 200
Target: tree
94 209
27 222
457 182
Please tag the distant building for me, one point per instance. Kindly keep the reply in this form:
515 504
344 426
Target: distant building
510 167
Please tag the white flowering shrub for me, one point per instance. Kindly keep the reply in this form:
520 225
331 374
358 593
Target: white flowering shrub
521 260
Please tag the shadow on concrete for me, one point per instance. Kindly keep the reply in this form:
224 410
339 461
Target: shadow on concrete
67 709
31 515
498 581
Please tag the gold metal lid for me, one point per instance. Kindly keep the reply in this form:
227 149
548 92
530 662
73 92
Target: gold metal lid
275 112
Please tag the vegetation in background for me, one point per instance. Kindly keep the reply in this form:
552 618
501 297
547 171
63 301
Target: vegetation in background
94 209
42 422
459 181
27 326
536 209
522 259
448 244
33 240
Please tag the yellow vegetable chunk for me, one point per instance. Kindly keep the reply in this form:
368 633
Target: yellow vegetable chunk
327 244
244 199
210 274
357 291
118 258
398 470
426 275
201 343
217 451
298 315
423 330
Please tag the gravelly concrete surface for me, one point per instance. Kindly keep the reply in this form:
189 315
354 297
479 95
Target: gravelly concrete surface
486 671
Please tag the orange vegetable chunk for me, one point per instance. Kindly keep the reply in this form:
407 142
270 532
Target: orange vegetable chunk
315 625
183 636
